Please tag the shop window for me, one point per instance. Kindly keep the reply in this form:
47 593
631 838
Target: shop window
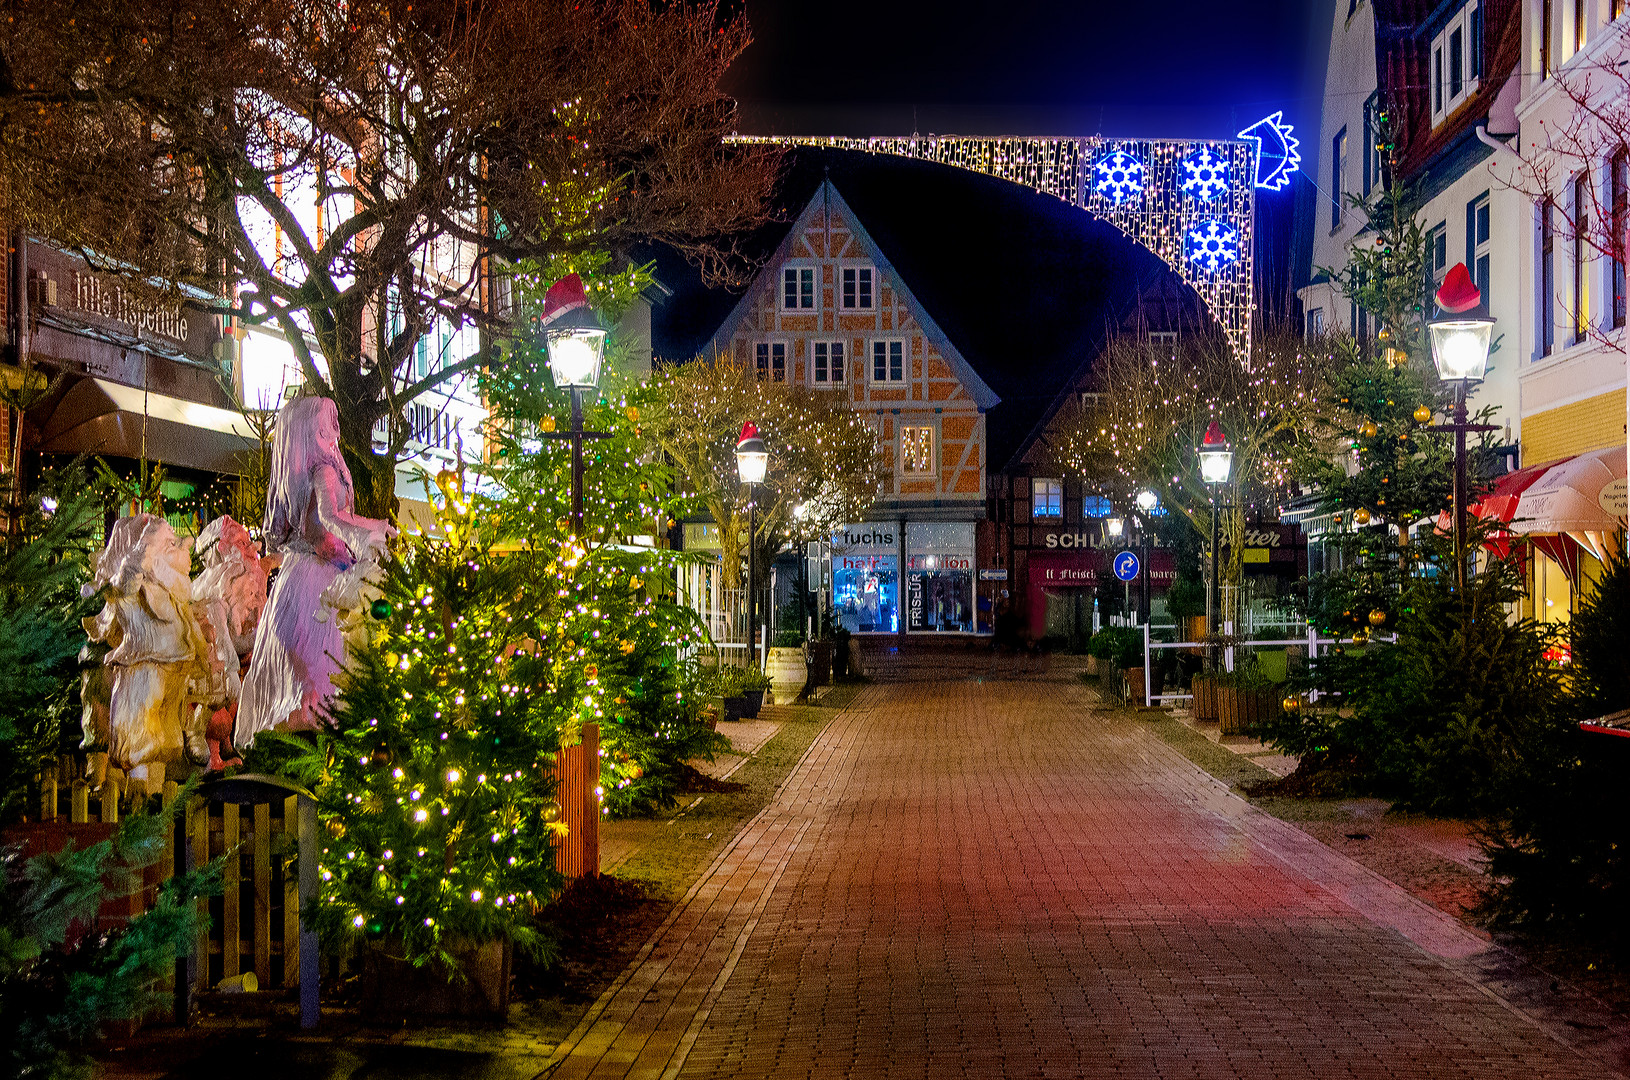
917 450
889 361
866 579
798 288
771 360
857 288
1046 497
826 364
939 582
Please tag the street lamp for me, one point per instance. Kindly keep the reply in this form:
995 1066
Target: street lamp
576 343
1216 462
1460 350
1115 526
1146 501
752 461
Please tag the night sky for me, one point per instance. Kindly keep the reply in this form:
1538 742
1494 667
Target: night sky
1024 284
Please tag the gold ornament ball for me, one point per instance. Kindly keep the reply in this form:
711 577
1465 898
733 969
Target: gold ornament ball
1368 429
551 812
1378 617
1384 336
1423 415
548 423
1361 636
447 479
336 828
1291 704
1361 516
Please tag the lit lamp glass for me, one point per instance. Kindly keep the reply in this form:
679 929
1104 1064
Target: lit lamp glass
1115 526
1216 460
1460 348
752 460
1147 500
576 344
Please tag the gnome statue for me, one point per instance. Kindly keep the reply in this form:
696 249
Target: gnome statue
311 523
228 598
156 649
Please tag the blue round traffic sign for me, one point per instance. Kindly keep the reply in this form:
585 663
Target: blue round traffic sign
1126 566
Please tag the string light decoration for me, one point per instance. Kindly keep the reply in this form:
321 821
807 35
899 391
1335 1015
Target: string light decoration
1158 214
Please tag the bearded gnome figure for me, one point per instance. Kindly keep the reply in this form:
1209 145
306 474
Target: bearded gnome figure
156 651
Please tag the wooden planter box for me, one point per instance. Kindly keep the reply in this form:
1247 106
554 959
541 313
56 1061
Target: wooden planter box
1133 677
1241 708
1204 706
394 990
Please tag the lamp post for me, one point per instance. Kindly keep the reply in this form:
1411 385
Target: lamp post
1216 462
1460 350
1146 502
752 460
576 343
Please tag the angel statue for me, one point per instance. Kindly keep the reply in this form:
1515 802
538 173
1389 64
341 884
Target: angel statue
310 521
227 598
156 649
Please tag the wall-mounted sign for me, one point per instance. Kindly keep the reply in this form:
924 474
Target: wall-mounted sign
993 575
867 539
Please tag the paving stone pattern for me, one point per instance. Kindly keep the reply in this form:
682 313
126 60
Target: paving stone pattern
992 876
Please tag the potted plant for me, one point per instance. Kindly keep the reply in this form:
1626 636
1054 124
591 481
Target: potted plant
786 667
730 693
754 684
1244 698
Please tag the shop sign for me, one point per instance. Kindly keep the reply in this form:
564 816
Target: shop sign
1067 540
993 575
882 539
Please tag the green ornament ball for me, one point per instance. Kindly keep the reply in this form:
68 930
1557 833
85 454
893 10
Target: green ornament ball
382 609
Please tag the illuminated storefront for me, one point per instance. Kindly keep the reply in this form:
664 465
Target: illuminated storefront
939 577
866 578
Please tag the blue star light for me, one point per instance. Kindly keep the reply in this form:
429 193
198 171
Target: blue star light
1276 154
1212 244
1205 175
1119 177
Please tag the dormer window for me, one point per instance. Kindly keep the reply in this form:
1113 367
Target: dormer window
1457 61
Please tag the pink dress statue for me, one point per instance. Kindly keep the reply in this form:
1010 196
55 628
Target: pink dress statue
228 598
300 643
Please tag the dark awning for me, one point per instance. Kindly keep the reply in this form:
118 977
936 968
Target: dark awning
96 416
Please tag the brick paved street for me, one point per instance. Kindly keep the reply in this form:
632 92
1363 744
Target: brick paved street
972 874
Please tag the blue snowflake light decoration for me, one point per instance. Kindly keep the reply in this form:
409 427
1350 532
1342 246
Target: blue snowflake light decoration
1212 244
1119 177
1205 175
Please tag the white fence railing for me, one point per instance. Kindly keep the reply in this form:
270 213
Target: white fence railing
1312 642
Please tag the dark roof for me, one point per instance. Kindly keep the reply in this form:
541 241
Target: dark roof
1403 45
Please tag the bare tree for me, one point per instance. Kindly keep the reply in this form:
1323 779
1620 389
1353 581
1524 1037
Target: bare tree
352 174
1578 170
825 468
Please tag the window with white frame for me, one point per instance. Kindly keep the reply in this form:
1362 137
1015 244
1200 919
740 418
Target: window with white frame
1456 67
826 364
1372 143
857 293
916 450
1437 249
1338 176
1315 321
888 360
1479 227
798 288
1581 257
1046 497
772 361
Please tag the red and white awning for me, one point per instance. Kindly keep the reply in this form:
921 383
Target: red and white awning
1582 498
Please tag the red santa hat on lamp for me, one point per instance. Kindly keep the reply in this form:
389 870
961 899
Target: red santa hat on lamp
574 337
1460 341
752 456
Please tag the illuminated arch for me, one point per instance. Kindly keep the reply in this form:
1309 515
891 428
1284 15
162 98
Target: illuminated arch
1190 201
